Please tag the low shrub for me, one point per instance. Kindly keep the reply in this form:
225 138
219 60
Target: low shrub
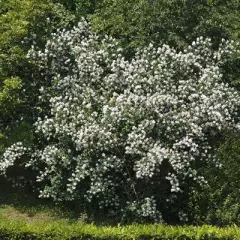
61 230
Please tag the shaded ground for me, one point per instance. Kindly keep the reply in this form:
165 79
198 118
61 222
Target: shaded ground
16 204
23 205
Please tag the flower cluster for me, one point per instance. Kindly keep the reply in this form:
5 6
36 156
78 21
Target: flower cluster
11 154
149 209
122 131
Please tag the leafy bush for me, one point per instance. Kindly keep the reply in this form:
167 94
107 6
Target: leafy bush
219 203
62 230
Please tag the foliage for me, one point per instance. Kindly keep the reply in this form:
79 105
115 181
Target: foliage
219 202
23 22
79 8
128 136
175 22
63 230
14 19
10 97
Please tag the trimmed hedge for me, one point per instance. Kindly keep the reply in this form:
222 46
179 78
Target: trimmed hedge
16 230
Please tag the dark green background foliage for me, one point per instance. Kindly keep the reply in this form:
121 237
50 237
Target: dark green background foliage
134 23
218 203
175 22
79 7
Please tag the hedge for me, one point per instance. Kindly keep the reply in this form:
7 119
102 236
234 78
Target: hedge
60 230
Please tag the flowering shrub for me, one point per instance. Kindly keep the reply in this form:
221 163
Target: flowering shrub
128 135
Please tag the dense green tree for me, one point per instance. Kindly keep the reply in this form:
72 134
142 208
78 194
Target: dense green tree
23 22
79 7
176 22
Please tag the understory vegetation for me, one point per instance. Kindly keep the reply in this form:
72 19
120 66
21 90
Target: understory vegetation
120 110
